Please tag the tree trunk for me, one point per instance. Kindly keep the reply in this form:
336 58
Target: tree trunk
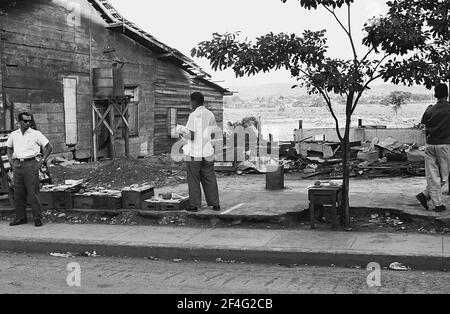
346 162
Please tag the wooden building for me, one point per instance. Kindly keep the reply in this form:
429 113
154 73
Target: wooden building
49 50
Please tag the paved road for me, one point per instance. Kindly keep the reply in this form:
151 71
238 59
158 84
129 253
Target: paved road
24 273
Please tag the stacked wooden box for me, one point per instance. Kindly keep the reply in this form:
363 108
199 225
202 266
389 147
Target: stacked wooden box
59 196
101 199
166 202
134 196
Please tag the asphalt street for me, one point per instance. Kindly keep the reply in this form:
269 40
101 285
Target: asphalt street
26 273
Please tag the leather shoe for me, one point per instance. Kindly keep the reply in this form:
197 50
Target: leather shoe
192 209
38 223
18 222
216 208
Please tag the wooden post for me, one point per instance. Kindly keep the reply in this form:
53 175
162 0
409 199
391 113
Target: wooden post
94 134
270 137
235 156
126 131
2 78
224 150
259 136
112 123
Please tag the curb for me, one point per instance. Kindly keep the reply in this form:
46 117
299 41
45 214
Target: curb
212 253
162 214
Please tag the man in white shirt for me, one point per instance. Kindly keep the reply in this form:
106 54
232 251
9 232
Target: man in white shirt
23 146
200 155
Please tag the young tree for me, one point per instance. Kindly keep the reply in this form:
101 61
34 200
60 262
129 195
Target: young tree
396 99
306 58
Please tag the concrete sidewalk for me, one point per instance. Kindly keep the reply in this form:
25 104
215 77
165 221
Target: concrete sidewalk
246 197
310 247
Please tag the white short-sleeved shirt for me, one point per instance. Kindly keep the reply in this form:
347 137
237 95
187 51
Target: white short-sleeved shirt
26 145
202 122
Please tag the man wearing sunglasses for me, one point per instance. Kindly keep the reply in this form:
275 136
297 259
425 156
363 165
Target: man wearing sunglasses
23 146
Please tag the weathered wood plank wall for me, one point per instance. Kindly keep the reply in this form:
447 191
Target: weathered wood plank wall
43 42
39 49
173 89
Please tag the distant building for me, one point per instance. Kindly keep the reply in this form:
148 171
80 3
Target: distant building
49 50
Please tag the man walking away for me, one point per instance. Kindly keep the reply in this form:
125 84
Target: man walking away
200 155
437 153
23 146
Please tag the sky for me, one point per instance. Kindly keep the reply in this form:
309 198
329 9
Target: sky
182 24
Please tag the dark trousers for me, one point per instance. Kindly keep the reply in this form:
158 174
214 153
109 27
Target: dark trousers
202 171
26 187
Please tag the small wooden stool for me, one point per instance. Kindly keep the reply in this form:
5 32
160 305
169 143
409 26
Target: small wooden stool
325 196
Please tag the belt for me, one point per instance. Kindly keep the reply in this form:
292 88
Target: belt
26 159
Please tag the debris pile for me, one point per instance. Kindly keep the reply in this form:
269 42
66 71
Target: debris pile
370 159
61 161
68 186
124 172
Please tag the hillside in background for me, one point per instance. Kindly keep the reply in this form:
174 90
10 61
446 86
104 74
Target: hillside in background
268 90
284 89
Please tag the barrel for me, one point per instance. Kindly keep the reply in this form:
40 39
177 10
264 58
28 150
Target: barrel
108 82
275 179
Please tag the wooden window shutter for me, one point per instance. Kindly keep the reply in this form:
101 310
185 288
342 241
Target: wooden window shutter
70 110
172 122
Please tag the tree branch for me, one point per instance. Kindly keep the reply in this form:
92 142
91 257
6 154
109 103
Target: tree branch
350 33
328 101
371 79
337 19
347 31
362 91
367 54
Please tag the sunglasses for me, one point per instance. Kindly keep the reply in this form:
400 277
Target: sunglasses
26 121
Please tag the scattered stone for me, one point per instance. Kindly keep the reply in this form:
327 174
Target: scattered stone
236 222
398 266
63 255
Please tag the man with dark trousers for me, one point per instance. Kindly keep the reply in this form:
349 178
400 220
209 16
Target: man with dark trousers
23 146
199 154
437 153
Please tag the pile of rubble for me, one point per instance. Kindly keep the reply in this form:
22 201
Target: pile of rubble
61 161
121 172
376 158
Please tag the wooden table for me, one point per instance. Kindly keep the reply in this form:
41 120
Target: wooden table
328 195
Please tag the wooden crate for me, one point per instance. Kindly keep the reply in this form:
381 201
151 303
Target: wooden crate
134 199
62 200
169 205
151 205
46 199
83 201
165 205
107 202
